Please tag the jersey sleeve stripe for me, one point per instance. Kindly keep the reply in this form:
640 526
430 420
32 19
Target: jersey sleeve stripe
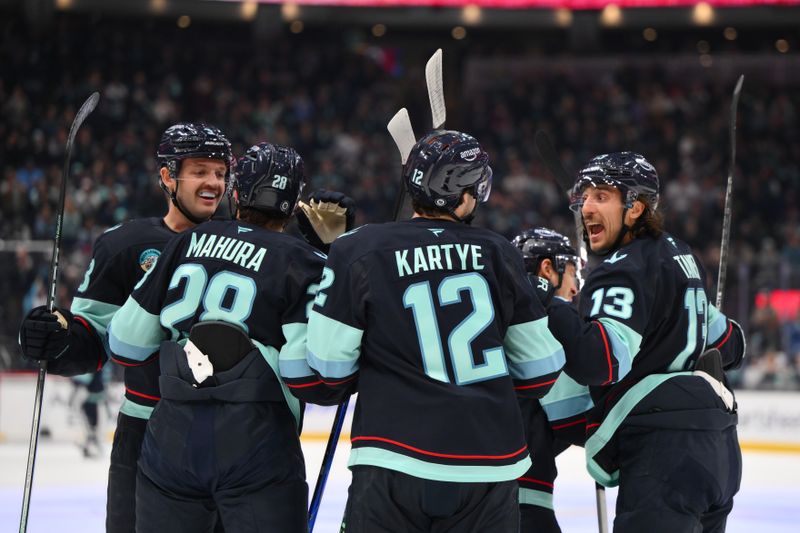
97 314
141 394
292 361
535 497
727 336
332 359
568 424
531 350
625 343
567 407
608 353
134 333
717 325
536 385
93 332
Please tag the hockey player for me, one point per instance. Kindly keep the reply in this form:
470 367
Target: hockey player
436 325
195 162
557 420
231 298
664 424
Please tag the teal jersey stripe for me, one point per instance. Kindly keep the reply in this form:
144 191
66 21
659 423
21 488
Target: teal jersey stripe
135 410
535 497
98 314
333 359
437 472
625 343
292 357
531 350
566 398
717 324
614 419
271 356
134 333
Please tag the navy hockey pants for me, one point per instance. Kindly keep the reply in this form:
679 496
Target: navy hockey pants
386 501
242 460
676 480
121 503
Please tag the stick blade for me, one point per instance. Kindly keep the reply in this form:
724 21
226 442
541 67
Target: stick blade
403 134
433 78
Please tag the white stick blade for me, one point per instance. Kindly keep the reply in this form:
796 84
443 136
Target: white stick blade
433 78
403 134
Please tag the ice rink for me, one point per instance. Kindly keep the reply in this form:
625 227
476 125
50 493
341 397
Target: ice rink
69 490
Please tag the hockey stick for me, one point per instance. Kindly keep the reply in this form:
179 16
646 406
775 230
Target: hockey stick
435 83
87 107
551 160
726 218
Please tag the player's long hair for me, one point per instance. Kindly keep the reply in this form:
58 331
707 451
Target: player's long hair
650 224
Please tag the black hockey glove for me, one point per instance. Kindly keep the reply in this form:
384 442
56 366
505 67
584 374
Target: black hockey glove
543 289
44 336
327 215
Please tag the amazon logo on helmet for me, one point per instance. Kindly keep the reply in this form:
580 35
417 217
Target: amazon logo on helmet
442 165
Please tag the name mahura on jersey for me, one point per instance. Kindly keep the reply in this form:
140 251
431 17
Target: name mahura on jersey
438 257
242 253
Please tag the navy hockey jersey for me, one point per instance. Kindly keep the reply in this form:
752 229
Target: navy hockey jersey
262 281
120 258
438 324
645 318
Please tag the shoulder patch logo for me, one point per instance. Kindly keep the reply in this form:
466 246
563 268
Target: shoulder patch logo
240 229
148 258
672 242
436 231
615 258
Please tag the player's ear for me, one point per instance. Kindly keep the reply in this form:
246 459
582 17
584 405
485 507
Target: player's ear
166 179
635 211
546 269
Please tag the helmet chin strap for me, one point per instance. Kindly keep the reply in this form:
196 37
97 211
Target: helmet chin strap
173 195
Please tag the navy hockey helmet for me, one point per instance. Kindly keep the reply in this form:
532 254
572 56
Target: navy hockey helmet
628 172
542 243
442 165
193 140
270 178
187 140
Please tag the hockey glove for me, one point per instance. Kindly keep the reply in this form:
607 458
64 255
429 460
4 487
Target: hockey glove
543 289
327 215
44 336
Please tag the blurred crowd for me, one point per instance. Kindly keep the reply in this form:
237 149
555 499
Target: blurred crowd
332 103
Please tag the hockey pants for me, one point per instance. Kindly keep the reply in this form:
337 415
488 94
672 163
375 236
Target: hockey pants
387 501
676 480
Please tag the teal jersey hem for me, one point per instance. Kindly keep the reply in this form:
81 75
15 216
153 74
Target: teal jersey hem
434 471
135 410
536 497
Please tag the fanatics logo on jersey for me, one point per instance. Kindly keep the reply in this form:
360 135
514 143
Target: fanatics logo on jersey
436 231
148 258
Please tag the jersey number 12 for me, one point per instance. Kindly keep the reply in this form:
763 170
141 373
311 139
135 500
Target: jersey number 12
419 298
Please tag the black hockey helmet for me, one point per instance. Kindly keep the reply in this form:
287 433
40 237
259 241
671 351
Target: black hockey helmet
442 165
628 172
270 178
187 140
538 244
193 140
